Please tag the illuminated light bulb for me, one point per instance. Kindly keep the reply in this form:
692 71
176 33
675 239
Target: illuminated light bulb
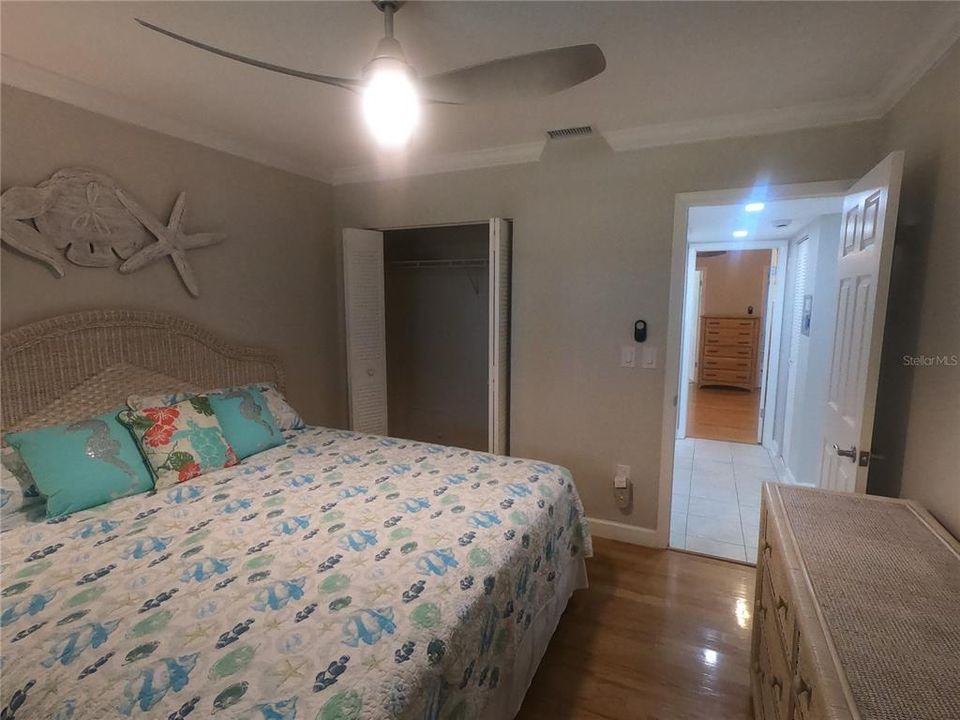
754 207
391 106
740 233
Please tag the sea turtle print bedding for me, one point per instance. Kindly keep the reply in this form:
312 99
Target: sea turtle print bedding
337 576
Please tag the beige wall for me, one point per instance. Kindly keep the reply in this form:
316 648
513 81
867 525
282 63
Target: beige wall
734 281
272 283
592 242
918 414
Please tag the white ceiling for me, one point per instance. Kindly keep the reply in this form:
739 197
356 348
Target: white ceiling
667 63
716 223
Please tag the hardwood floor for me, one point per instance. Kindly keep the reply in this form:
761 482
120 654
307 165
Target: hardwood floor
659 635
716 413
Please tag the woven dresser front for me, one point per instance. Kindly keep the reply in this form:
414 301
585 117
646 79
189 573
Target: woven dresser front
857 611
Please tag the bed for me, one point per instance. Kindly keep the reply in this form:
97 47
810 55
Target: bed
336 576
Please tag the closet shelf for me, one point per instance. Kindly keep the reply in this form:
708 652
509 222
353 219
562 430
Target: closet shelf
452 263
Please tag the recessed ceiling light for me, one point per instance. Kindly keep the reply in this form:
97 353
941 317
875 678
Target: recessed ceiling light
740 233
754 207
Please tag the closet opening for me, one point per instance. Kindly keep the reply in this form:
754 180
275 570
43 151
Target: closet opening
428 332
437 306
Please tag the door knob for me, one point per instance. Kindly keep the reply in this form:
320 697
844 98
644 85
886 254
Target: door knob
371 372
851 453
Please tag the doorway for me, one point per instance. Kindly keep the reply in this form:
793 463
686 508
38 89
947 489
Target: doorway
724 356
825 363
747 387
427 317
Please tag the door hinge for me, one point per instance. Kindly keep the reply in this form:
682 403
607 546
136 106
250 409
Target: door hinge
763 412
674 400
864 460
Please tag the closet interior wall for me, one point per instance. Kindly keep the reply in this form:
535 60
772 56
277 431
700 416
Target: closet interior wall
437 305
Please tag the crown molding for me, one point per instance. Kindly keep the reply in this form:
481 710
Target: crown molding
32 78
762 122
765 122
920 59
436 164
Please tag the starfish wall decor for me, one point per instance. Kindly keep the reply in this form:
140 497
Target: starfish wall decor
88 218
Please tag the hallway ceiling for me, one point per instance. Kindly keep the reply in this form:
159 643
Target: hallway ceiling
717 223
679 62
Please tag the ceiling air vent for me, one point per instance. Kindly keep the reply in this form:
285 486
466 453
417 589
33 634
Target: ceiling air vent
570 132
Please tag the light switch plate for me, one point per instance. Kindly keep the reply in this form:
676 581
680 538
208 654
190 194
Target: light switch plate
628 356
649 357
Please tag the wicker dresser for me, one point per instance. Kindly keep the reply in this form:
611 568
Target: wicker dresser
729 350
857 613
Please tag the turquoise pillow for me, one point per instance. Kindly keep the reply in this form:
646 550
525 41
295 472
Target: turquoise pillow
247 422
83 464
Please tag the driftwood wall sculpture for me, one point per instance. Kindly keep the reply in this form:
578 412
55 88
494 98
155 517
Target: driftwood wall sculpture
87 218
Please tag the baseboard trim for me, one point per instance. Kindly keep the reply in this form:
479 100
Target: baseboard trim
611 530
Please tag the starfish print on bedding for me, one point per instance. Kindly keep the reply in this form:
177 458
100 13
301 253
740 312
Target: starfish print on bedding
373 663
171 240
288 671
199 632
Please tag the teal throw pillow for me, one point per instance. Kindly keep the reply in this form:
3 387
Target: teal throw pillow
247 422
83 464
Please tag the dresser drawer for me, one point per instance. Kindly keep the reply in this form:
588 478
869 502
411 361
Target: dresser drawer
725 377
729 323
775 591
779 672
808 700
727 363
722 336
771 681
729 351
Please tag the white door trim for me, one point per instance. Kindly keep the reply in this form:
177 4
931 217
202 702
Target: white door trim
678 261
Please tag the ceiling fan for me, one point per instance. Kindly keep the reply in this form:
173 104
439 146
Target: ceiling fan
392 91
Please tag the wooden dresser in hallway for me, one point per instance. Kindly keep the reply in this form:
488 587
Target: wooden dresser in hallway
729 350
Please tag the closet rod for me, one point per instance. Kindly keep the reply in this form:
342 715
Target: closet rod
452 263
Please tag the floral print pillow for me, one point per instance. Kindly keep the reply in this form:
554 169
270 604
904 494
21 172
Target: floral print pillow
283 412
180 441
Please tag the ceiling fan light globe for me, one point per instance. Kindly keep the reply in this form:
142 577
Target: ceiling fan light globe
391 105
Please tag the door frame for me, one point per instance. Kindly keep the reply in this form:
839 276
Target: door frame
691 267
691 333
678 265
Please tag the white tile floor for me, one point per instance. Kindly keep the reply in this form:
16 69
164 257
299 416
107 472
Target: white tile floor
716 497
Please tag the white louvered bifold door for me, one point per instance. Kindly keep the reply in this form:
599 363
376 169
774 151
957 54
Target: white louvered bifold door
498 412
863 270
794 361
366 334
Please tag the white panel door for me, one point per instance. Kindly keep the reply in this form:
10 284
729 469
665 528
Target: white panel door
866 252
498 410
366 334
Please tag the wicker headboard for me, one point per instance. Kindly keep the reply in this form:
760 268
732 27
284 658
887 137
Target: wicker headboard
43 361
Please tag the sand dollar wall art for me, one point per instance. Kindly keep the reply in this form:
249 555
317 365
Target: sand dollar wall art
86 218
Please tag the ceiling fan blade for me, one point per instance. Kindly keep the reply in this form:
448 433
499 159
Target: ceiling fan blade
518 77
344 83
